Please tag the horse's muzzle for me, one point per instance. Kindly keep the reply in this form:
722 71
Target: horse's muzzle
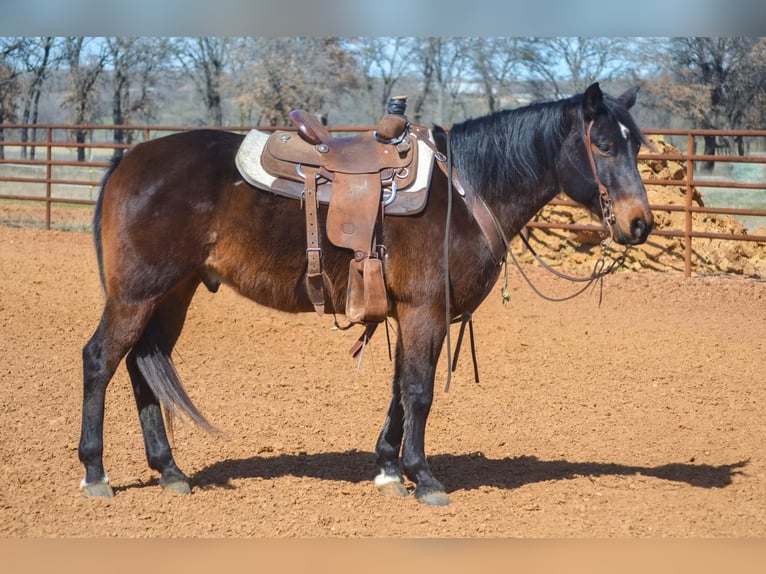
638 231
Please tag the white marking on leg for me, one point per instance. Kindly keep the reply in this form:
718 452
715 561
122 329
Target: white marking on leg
383 479
84 484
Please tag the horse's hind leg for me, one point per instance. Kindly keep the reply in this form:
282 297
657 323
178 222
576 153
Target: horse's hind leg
155 346
120 327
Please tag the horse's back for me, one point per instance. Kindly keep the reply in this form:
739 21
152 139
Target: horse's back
168 172
205 155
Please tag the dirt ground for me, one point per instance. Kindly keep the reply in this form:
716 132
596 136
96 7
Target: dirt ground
642 417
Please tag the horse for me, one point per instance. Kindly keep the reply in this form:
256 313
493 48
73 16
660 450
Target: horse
174 213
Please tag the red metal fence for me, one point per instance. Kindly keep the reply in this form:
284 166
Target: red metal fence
45 168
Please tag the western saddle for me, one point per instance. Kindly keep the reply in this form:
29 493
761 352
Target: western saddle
360 178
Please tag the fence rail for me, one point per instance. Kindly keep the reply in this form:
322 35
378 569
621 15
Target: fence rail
71 168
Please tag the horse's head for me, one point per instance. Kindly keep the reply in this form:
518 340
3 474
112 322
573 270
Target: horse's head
599 165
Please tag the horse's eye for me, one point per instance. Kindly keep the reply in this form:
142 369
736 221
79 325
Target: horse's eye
604 148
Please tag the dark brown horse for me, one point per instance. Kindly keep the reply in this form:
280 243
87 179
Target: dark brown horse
175 212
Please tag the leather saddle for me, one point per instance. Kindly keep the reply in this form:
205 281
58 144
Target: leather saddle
360 177
274 161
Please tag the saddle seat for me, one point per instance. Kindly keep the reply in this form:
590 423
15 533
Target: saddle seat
391 127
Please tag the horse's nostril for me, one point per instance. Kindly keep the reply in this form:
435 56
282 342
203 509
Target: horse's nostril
639 229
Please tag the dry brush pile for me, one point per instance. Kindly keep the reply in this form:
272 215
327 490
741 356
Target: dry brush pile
578 250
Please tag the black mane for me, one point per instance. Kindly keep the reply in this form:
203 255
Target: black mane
506 151
513 151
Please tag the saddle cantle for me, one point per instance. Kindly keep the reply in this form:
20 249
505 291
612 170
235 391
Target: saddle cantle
359 177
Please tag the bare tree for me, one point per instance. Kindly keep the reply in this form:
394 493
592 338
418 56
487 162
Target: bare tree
562 66
206 60
277 75
9 83
425 56
440 65
34 58
494 62
383 62
86 58
135 65
715 83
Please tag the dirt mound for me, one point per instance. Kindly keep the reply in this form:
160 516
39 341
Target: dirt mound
580 250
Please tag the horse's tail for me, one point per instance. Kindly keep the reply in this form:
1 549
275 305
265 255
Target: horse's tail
97 217
154 361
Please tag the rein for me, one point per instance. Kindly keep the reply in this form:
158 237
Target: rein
600 269
499 246
496 240
448 316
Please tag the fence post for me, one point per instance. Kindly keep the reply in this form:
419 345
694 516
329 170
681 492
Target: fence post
688 206
48 176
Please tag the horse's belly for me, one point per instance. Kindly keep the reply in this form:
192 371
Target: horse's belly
274 283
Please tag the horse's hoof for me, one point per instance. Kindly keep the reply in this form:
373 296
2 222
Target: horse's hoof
391 486
97 490
393 490
432 498
176 486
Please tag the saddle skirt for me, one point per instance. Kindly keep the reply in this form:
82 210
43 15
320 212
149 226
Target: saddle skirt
274 161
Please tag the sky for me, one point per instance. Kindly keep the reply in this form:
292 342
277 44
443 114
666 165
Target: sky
382 18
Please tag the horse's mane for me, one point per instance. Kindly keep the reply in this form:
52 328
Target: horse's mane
510 151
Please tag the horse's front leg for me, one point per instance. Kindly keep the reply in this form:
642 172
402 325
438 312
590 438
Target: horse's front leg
420 340
390 481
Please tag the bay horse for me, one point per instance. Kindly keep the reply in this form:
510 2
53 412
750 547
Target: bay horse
174 212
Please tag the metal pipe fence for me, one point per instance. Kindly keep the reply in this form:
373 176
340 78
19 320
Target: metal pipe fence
69 171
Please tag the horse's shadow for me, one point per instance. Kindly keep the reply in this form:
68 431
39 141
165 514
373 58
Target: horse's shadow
463 471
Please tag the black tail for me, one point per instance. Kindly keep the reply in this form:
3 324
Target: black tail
154 361
116 158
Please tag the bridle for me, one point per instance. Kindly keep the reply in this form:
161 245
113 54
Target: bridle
607 210
490 227
601 268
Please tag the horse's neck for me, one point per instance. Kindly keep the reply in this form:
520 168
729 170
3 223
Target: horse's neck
513 207
515 201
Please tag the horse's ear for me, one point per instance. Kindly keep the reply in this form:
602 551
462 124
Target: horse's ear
592 100
629 97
